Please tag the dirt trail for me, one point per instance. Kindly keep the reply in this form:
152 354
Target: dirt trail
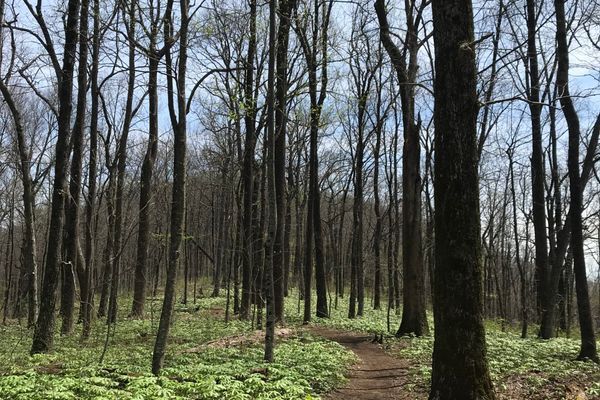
376 375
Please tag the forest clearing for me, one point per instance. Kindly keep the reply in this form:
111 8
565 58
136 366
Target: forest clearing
300 199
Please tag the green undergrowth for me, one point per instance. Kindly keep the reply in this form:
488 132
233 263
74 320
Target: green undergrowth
198 364
373 321
530 364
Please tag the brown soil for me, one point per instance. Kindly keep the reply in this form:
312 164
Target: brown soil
376 375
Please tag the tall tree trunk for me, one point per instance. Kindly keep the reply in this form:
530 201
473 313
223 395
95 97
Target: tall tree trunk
414 320
43 336
318 44
356 263
121 165
274 228
279 270
87 291
545 309
179 125
248 168
139 291
72 207
378 217
460 368
586 323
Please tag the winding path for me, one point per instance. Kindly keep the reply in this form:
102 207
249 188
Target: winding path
376 375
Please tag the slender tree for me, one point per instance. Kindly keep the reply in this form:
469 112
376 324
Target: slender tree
414 320
273 220
314 46
177 113
154 56
248 167
87 290
30 289
279 256
43 336
538 176
72 249
130 110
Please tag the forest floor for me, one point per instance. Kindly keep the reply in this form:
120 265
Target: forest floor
528 368
335 358
392 370
207 358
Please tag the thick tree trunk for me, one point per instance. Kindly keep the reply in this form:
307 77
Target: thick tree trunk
460 368
318 44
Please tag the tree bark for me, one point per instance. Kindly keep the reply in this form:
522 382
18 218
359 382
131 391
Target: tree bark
378 217
460 368
317 44
356 262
